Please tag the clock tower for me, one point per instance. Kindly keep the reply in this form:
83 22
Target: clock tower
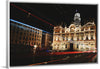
77 19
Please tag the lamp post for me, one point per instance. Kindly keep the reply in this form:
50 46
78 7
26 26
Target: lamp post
34 49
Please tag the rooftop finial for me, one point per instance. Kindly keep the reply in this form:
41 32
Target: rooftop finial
76 10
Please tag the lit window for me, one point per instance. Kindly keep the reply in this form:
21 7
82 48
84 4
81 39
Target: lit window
82 37
63 38
66 38
72 38
56 38
78 38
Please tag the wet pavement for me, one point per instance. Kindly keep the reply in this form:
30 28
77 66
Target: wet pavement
65 59
28 58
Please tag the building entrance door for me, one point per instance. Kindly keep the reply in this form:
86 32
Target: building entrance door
71 46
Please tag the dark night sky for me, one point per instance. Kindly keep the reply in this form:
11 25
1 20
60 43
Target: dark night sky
53 13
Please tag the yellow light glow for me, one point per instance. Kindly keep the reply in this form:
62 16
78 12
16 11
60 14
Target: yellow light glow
35 46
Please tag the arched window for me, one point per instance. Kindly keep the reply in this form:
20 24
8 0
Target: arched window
92 27
77 37
86 37
82 29
72 28
72 38
66 45
91 36
77 45
66 38
82 38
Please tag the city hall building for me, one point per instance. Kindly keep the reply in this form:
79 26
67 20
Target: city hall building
75 37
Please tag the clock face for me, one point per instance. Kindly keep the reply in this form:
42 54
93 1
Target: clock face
77 14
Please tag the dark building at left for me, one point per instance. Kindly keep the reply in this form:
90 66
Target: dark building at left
24 34
24 40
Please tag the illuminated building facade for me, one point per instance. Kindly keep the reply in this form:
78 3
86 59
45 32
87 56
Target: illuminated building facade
75 37
24 34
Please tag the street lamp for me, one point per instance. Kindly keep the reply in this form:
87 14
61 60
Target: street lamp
35 46
34 49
